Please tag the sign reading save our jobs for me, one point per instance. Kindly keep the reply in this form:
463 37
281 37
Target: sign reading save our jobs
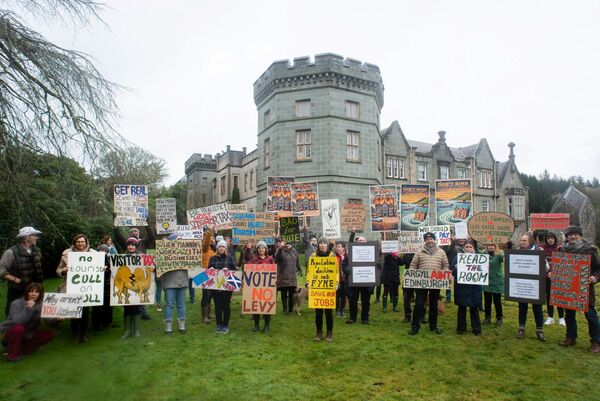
322 277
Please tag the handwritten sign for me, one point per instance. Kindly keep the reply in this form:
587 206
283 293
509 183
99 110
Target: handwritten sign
330 216
305 198
220 280
259 294
549 221
85 276
130 205
289 229
389 246
427 279
252 226
185 232
472 268
166 215
442 234
491 228
132 279
215 216
570 287
353 217
177 255
62 306
322 276
409 242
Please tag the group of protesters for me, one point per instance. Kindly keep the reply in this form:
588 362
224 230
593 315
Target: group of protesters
21 268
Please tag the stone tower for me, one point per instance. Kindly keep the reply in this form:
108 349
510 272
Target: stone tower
319 121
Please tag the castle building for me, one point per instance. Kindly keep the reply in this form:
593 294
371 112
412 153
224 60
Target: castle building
319 120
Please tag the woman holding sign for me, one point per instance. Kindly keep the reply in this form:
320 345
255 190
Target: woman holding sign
222 261
494 290
261 258
466 296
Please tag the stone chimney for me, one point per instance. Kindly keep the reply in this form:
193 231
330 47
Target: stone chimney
442 135
511 155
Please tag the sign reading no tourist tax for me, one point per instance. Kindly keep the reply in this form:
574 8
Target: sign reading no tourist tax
491 228
570 281
427 279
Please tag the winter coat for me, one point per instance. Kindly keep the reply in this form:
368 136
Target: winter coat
258 261
63 263
22 264
221 262
21 314
175 279
288 265
425 260
390 274
246 255
496 283
465 294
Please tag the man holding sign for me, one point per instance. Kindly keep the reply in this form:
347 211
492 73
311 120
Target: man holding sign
577 245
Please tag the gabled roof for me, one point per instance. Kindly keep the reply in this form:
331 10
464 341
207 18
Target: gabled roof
460 154
502 170
573 197
386 132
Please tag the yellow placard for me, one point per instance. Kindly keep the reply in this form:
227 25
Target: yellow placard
322 277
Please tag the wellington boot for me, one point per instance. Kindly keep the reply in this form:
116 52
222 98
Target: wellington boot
319 335
395 304
267 328
205 312
384 304
127 326
137 325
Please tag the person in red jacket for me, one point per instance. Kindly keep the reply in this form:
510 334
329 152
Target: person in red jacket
261 258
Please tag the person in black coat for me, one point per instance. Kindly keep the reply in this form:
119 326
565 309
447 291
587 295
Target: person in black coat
466 296
390 277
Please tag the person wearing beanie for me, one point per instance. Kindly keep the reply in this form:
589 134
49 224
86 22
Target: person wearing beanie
550 245
220 261
247 253
261 258
364 293
577 244
466 296
132 314
322 251
288 267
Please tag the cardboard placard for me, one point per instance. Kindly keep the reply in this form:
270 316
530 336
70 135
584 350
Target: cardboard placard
130 205
185 232
427 279
570 288
389 246
472 268
442 234
383 200
549 221
220 280
184 254
259 291
85 276
525 276
453 201
353 217
252 226
62 306
166 215
289 229
414 206
363 258
132 279
322 277
491 228
215 216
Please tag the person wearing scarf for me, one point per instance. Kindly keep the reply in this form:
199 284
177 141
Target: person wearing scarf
550 246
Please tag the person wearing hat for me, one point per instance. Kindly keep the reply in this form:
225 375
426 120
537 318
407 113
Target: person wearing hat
431 257
261 258
132 314
222 261
576 244
550 245
21 264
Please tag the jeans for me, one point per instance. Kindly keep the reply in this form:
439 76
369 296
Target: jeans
537 314
419 311
175 296
593 323
158 296
192 291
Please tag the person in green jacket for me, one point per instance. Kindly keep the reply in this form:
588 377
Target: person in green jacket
495 289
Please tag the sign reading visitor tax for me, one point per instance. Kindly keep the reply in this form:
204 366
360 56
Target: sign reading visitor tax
259 293
322 277
132 279
570 281
427 279
525 272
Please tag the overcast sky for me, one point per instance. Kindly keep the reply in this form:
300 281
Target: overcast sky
521 71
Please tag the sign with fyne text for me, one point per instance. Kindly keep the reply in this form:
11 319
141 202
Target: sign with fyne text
289 229
442 234
362 262
491 228
570 287
427 279
525 273
130 205
85 276
252 226
322 277
132 279
472 268
259 291
181 254
62 306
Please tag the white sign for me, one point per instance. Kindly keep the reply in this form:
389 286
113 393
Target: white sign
472 268
524 264
409 242
330 216
62 306
166 215
363 274
85 276
186 232
428 279
363 253
130 205
442 234
524 288
389 246
461 230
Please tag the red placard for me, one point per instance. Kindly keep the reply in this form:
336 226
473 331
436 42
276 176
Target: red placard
570 281
549 221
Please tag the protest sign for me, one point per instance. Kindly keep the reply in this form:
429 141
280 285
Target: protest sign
252 226
289 229
549 221
185 232
215 216
353 217
442 234
472 268
362 262
259 294
322 277
389 246
525 273
85 276
384 207
62 306
409 242
491 228
132 279
181 254
166 215
330 216
279 195
453 201
305 199
461 231
427 279
220 280
570 288
130 205
414 206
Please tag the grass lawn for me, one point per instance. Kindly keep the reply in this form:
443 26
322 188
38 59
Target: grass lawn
375 362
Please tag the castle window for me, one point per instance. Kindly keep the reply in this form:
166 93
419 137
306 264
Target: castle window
352 109
267 118
485 205
245 182
395 168
303 145
223 184
485 178
515 207
266 152
444 172
303 108
461 173
421 172
353 146
251 178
